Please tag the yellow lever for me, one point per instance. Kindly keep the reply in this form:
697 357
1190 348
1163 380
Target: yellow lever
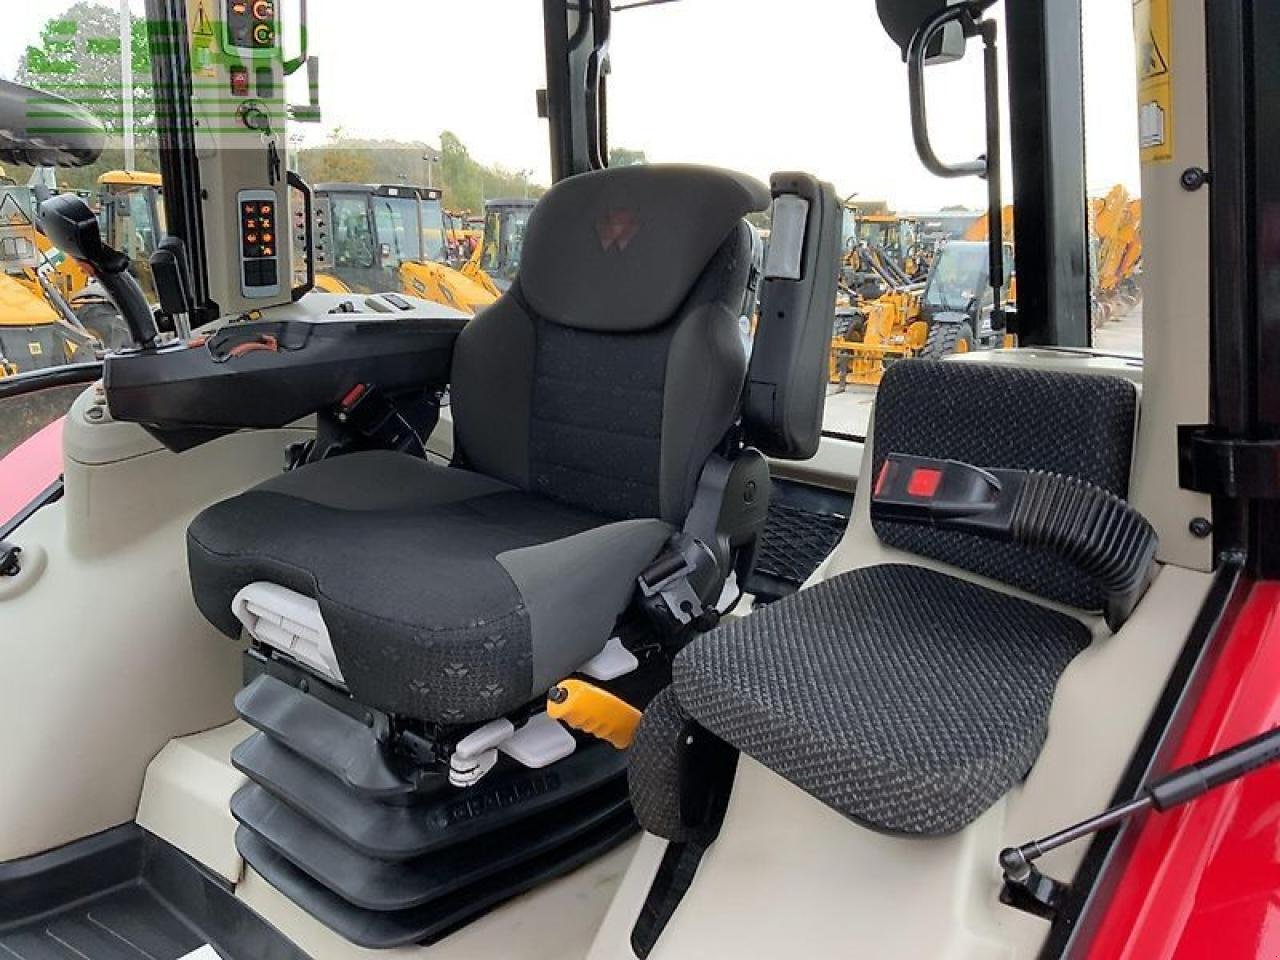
586 707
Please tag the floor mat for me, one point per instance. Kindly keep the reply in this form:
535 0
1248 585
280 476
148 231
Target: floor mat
127 895
131 923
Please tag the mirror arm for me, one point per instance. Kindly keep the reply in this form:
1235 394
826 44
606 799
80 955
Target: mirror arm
917 53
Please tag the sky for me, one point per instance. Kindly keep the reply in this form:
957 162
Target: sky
759 85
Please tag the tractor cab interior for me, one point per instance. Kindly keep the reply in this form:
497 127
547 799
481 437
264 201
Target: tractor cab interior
577 623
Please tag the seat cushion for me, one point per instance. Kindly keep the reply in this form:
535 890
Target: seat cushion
449 596
906 699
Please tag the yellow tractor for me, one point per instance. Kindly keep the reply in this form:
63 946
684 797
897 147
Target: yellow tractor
37 326
382 239
498 256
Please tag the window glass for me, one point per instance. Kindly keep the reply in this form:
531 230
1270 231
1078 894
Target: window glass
352 236
1112 170
434 240
835 102
399 231
478 140
683 88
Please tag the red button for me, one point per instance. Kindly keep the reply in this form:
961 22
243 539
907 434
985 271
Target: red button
924 482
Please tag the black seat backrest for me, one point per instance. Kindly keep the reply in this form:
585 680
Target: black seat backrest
614 366
1003 416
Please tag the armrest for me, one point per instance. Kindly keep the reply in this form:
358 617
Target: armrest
266 374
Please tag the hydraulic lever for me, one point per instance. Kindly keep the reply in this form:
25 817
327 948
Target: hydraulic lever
72 227
1030 890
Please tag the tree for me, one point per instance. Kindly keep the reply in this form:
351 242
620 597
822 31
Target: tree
77 56
622 157
338 161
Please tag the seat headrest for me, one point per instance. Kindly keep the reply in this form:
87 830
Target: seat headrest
619 250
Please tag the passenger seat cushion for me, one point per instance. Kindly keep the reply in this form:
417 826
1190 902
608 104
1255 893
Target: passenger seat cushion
908 700
998 415
450 607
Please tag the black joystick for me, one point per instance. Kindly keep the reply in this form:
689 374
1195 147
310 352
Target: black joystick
72 227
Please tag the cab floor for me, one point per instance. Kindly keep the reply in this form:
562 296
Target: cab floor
130 923
126 895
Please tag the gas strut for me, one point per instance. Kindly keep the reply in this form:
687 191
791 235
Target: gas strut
1028 889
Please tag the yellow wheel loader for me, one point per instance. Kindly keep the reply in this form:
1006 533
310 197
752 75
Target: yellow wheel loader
389 239
37 326
498 257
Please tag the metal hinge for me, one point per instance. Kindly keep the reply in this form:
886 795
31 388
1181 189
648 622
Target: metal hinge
1213 462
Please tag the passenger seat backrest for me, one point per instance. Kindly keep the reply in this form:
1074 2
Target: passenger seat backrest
999 415
613 367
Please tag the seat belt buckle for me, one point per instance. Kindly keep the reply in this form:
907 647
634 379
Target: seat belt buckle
946 494
666 587
675 588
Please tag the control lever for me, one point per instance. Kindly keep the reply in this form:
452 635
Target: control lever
72 227
172 272
1030 890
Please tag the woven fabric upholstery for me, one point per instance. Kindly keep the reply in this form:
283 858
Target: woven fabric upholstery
991 415
653 771
908 700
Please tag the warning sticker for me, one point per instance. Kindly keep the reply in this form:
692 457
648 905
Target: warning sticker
203 42
1153 30
17 231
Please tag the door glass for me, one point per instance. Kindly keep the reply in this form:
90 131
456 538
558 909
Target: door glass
352 238
400 237
433 232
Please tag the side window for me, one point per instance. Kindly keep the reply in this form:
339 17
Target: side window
433 232
353 241
396 220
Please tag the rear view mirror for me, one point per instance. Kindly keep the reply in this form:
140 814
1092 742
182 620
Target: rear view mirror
902 18
40 129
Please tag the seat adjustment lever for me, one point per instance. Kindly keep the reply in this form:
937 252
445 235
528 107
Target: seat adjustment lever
588 708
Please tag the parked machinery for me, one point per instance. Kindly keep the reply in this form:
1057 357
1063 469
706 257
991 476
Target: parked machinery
390 239
1116 233
498 256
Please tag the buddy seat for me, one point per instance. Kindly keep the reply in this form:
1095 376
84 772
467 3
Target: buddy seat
409 618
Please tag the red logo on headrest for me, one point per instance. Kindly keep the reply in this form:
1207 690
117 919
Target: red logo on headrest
616 229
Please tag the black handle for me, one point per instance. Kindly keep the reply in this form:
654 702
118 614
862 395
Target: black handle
127 295
72 227
1190 782
297 183
917 51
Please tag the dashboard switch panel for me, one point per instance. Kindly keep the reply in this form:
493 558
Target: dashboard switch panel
259 243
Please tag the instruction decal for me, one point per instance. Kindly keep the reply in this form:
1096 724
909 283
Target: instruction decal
203 42
17 231
1153 31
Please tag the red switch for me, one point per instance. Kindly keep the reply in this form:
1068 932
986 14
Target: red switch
924 482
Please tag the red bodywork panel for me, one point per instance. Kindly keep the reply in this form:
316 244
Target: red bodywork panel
1203 881
30 469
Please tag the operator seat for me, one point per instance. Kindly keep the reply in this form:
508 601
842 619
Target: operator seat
585 402
410 620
